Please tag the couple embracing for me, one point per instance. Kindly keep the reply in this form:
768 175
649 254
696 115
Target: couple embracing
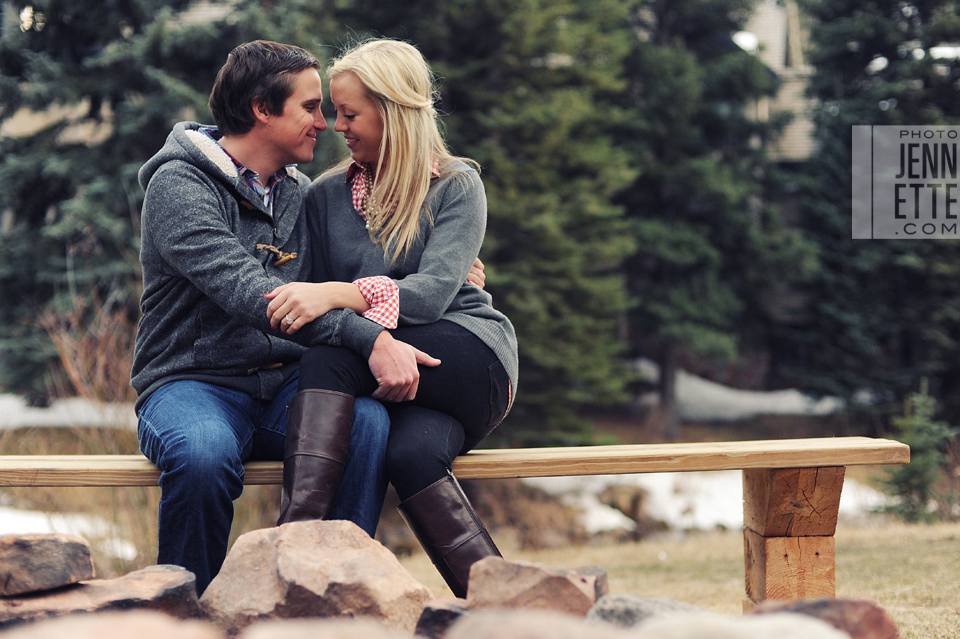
339 325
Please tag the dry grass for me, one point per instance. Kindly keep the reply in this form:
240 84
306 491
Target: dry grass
913 571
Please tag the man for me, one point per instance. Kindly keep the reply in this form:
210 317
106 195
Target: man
221 227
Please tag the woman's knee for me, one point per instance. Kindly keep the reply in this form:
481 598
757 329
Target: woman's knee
422 445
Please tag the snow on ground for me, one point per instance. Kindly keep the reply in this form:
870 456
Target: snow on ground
21 522
700 400
74 411
684 501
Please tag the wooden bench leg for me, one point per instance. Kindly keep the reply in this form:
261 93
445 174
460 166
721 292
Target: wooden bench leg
790 518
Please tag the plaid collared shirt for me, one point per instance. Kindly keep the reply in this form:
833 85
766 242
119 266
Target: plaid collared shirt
251 177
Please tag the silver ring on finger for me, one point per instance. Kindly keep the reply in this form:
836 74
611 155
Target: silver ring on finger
287 319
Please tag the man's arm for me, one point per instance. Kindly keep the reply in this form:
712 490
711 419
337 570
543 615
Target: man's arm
194 238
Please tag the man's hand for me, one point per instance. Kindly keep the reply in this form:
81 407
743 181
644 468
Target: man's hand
476 275
394 365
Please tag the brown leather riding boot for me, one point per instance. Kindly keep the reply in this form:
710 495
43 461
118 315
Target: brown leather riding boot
449 530
318 435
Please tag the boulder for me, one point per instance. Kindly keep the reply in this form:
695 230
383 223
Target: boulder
312 569
861 619
439 615
115 625
779 626
497 583
34 562
627 611
320 629
168 589
531 624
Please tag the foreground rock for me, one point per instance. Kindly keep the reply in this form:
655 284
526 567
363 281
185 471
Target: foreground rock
497 583
438 616
29 563
779 626
532 624
860 619
168 589
628 611
320 629
312 569
115 625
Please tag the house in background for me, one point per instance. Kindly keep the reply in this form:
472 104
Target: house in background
776 35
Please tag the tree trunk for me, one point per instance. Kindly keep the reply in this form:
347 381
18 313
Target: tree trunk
669 418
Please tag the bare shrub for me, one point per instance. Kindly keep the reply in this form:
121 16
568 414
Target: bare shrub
94 339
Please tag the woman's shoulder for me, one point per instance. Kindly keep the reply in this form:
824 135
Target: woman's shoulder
460 172
330 178
459 167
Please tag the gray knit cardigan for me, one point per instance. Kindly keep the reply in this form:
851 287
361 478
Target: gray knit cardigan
432 274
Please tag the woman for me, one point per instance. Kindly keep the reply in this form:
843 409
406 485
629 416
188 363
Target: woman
401 220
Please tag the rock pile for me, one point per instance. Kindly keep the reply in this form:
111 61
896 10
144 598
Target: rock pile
329 579
51 575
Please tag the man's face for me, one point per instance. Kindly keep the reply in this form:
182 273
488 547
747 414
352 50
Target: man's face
293 134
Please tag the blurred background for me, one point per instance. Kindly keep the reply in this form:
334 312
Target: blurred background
669 209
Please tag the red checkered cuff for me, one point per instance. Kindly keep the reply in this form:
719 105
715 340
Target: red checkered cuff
383 296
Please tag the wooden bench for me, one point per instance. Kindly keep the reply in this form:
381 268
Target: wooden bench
791 490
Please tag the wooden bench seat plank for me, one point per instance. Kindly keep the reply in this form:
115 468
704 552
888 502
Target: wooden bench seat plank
135 470
686 457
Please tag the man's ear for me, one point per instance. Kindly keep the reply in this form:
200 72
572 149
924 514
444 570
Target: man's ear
260 111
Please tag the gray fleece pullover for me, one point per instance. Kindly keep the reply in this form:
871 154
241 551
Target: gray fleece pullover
432 274
204 316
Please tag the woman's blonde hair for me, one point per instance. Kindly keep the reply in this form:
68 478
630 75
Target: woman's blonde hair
399 82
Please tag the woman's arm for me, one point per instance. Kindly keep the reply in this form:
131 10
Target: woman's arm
303 302
460 215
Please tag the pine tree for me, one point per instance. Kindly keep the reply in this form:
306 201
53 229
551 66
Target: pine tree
881 313
915 484
709 241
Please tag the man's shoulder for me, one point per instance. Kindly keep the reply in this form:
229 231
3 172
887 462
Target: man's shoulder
299 176
183 176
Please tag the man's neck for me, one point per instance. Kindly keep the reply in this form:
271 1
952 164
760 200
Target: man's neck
248 150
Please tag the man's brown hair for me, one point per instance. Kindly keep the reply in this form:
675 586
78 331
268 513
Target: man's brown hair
256 73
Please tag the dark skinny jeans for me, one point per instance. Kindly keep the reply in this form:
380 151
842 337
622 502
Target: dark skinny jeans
458 403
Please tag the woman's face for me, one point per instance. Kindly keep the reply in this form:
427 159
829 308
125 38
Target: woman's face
357 118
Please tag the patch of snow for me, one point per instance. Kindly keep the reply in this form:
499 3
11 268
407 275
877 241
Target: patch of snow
700 400
21 522
71 412
683 501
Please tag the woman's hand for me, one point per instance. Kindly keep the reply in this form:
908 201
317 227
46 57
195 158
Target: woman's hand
476 276
296 304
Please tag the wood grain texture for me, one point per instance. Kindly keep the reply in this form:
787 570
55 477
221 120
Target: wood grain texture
792 502
790 568
135 470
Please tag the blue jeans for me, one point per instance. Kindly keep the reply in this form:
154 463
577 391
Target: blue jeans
199 435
